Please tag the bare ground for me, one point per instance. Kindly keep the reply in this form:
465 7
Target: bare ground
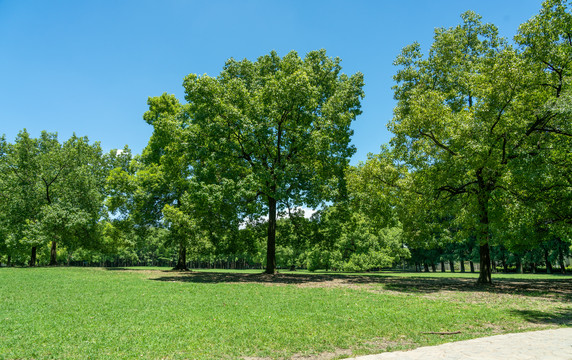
552 288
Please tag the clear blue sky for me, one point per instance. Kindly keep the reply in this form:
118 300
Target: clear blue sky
88 66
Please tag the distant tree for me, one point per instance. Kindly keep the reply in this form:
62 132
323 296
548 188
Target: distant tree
23 200
141 187
56 192
373 188
4 201
158 189
295 232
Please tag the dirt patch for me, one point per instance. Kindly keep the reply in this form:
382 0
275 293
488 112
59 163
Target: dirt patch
558 289
379 345
321 356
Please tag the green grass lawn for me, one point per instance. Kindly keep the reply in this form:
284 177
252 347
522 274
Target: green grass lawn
93 313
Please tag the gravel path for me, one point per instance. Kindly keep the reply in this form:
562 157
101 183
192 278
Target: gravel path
544 345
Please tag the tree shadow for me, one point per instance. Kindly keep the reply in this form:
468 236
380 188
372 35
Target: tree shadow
144 270
223 277
534 287
561 316
561 288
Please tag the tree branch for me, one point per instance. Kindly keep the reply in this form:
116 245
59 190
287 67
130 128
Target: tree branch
499 116
550 66
556 131
15 171
452 190
504 159
436 142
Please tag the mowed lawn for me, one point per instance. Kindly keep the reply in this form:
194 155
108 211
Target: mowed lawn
95 313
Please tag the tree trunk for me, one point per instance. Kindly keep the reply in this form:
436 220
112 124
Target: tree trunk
9 261
518 265
561 261
182 259
485 265
485 276
33 257
53 254
433 267
452 266
462 266
472 266
442 266
426 267
271 243
561 247
547 261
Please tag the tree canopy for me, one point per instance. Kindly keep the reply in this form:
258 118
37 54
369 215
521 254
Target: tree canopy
56 192
476 114
279 126
478 166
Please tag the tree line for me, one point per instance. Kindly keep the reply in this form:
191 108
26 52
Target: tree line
477 171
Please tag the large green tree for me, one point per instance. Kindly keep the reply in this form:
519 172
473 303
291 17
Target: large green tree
476 111
278 126
546 194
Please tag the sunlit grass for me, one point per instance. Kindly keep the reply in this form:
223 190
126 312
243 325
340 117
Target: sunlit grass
92 313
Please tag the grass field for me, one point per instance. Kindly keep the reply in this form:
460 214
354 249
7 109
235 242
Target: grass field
140 313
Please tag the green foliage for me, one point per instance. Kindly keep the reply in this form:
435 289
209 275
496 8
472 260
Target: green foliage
352 242
279 127
184 229
479 165
482 128
318 258
56 193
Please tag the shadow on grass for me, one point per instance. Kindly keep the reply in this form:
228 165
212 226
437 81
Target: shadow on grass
560 316
561 288
535 287
144 269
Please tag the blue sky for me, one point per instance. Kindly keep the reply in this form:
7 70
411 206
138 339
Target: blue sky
89 66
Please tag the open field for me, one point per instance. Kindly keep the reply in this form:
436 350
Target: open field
94 313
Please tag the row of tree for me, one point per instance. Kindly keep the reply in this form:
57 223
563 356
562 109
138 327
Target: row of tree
480 160
53 194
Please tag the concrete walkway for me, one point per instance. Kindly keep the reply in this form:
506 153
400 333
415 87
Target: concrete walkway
544 345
